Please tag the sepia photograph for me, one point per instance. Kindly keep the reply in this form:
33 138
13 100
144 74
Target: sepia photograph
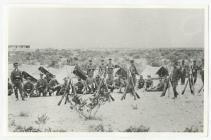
107 69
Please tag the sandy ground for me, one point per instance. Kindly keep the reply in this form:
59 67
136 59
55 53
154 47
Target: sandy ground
159 114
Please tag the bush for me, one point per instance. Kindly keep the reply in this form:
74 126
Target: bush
100 128
141 128
42 119
26 129
23 114
192 129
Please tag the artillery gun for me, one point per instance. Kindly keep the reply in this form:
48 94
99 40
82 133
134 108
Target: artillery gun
26 75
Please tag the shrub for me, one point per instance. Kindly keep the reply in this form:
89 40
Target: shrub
100 128
141 128
26 129
42 119
23 114
192 129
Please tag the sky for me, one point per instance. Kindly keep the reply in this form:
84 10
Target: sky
68 28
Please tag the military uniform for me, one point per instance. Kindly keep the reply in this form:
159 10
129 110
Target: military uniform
64 88
165 86
110 70
149 83
194 69
141 83
90 70
109 83
53 86
41 87
79 87
183 73
28 88
175 78
17 80
102 69
202 71
90 85
97 81
133 72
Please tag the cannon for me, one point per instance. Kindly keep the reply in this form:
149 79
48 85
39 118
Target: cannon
25 75
48 75
78 72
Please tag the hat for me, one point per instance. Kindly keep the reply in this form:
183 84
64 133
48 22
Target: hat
131 61
109 59
16 63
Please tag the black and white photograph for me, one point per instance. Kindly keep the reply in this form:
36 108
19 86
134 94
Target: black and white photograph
107 69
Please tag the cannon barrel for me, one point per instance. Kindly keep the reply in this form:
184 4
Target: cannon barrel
44 71
25 75
78 72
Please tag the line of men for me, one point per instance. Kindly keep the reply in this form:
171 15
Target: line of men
180 72
50 85
104 71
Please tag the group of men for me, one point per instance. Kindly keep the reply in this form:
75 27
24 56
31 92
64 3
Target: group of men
103 71
43 86
105 74
179 72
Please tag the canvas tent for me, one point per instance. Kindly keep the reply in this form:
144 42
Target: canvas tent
154 72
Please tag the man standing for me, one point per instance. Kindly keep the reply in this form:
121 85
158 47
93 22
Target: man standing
102 68
194 69
183 72
202 70
110 69
28 87
53 86
42 85
90 84
90 69
17 81
133 71
165 86
175 78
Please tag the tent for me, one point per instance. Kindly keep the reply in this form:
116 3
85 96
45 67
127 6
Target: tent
154 72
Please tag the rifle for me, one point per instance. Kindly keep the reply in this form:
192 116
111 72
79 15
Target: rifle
130 80
133 87
201 89
185 87
65 94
